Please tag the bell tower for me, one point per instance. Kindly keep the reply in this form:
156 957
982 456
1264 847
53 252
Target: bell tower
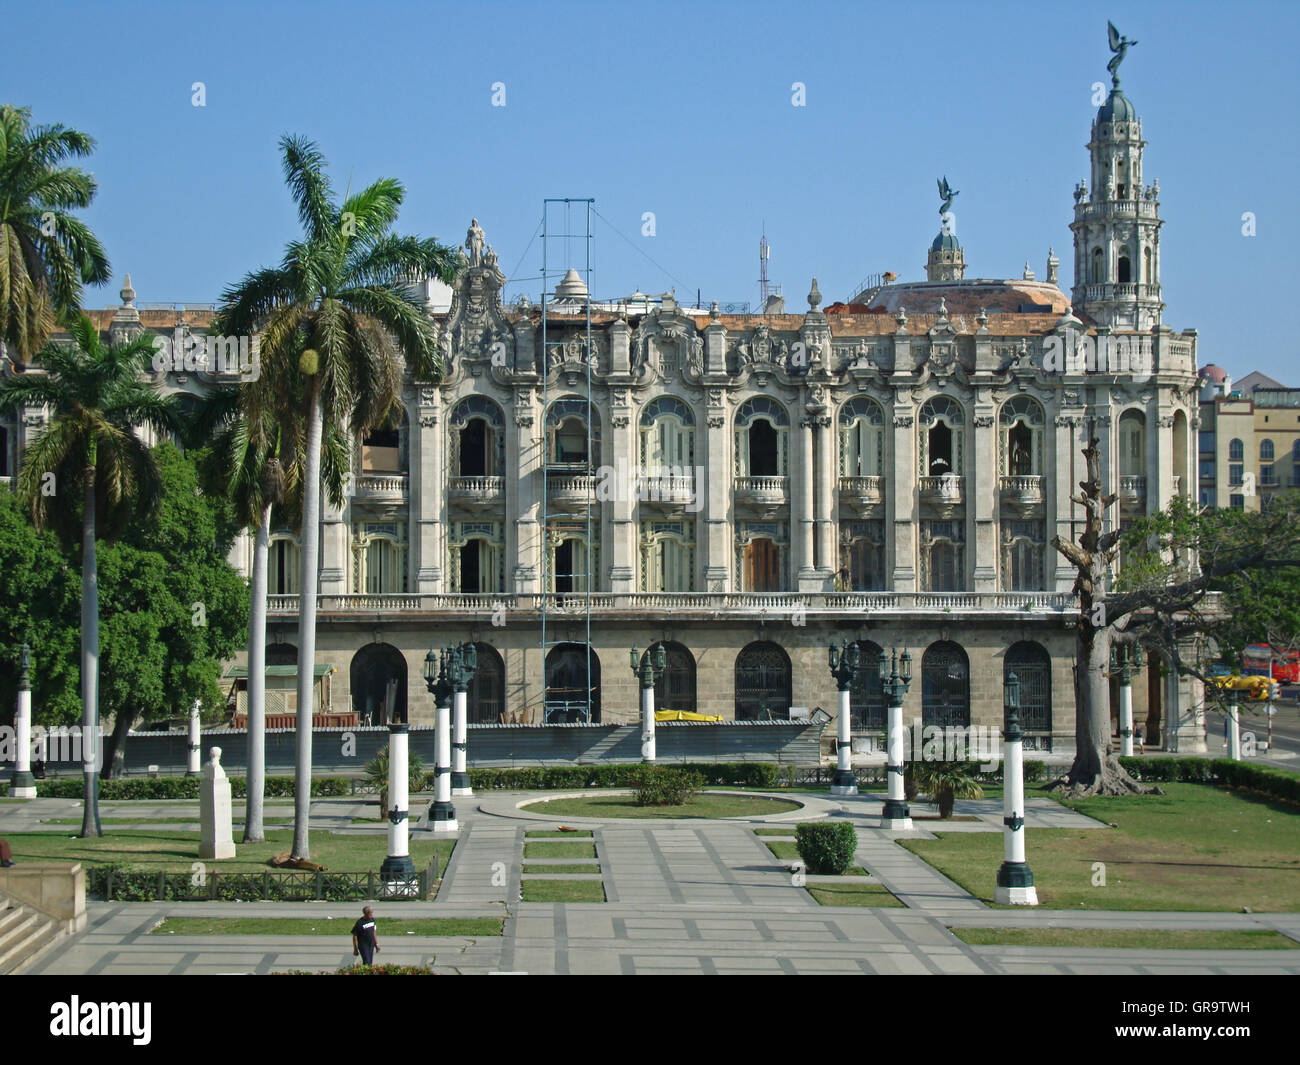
1117 219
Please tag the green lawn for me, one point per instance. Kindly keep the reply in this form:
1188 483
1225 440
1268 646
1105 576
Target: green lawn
1137 939
322 926
177 851
553 833
1197 847
706 804
562 867
853 893
107 821
774 831
563 890
559 849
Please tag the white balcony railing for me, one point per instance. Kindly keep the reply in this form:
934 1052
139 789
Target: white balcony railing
862 492
1132 491
381 486
1022 492
947 489
476 493
763 485
677 488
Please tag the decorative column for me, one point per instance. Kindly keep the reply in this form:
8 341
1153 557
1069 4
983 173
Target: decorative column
442 815
427 493
648 669
844 663
464 665
896 677
827 558
1125 660
193 768
805 564
23 784
398 864
1015 886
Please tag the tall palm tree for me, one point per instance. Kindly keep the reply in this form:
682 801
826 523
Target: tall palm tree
246 461
88 472
338 316
46 254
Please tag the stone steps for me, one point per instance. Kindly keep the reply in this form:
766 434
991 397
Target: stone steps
24 936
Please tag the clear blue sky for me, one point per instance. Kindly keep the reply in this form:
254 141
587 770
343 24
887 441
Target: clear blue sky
685 110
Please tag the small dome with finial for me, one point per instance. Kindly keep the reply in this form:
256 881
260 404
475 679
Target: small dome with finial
127 293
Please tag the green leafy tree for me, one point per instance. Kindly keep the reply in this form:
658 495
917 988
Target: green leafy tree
46 253
338 325
88 473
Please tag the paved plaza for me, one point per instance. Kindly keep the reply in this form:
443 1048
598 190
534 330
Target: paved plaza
682 897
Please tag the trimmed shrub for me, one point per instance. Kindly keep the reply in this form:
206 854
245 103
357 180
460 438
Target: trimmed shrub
183 787
826 846
658 786
619 775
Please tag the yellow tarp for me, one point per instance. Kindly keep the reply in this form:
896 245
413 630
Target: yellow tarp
684 715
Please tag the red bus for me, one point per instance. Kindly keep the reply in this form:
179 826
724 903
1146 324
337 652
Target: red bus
1286 664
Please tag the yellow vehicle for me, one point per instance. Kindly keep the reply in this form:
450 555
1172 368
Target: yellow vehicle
1256 688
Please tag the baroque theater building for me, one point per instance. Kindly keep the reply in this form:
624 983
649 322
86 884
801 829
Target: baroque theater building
594 476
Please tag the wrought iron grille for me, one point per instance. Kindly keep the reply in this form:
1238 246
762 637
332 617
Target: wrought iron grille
945 686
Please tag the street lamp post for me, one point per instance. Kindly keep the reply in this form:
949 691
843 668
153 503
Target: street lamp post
464 665
648 670
844 663
1234 729
398 864
1015 886
1125 660
23 785
193 768
895 678
442 815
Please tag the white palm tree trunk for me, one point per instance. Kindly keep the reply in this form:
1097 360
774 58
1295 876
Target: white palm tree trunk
90 664
307 628
254 830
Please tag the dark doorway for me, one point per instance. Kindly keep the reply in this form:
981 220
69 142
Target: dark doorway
945 686
572 684
378 678
487 702
940 450
762 566
763 458
675 688
476 449
763 683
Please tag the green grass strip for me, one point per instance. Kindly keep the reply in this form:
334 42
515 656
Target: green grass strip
1137 939
559 849
322 926
563 891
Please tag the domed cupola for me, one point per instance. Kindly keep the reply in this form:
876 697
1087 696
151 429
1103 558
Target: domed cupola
946 261
1117 108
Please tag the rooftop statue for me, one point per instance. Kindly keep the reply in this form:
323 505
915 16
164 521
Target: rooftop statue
947 194
1120 46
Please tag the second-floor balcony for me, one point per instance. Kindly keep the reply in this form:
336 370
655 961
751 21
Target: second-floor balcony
1022 493
1132 493
476 493
763 495
668 489
863 494
381 487
943 495
569 491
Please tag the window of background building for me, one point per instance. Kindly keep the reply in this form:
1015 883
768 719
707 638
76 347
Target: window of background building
1237 502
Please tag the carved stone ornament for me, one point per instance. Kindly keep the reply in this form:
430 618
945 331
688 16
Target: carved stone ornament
983 421
428 421
902 421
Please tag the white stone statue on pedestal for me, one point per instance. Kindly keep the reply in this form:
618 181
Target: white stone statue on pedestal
215 838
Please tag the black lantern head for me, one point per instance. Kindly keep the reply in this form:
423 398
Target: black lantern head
430 670
906 662
660 658
1013 692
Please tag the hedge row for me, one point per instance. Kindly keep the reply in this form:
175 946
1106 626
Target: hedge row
1265 780
545 778
182 787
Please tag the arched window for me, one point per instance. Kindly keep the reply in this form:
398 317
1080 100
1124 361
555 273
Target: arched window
1147 279
1096 276
667 435
1125 269
763 683
1266 450
668 556
1022 421
1236 450
945 686
572 684
283 564
862 557
566 433
675 688
477 438
1295 451
1032 666
487 690
862 438
867 695
941 422
378 681
1132 444
383 566
761 438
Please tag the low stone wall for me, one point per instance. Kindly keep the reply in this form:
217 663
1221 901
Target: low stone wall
347 750
55 889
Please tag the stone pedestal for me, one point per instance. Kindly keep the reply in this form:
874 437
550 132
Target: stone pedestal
215 838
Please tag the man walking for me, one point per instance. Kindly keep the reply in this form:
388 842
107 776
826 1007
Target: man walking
364 941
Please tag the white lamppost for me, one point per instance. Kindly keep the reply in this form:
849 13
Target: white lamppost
1015 886
895 678
1234 730
194 768
442 815
648 671
23 785
844 662
398 864
464 664
1125 660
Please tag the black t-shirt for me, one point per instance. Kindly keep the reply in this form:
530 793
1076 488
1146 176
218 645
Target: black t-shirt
364 930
